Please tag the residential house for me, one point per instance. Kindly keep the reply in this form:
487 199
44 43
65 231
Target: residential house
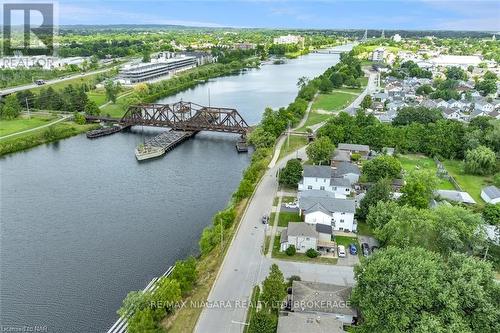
491 194
337 213
322 299
301 235
452 114
378 106
340 156
363 150
337 180
429 103
296 322
456 196
348 171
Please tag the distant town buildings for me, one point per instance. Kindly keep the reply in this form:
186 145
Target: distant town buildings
378 54
244 46
289 39
396 38
43 62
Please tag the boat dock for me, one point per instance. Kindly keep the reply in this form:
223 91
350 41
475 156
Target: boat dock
161 144
122 323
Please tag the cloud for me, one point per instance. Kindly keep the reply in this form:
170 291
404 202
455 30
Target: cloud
76 14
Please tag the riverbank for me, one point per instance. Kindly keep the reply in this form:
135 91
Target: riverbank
55 132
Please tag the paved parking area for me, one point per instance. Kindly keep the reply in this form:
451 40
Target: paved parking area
349 260
367 239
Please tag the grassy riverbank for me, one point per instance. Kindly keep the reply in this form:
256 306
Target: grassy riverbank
49 134
11 126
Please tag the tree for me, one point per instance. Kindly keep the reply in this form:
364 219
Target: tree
379 192
11 108
143 321
185 273
381 213
337 80
367 102
135 301
261 138
424 89
291 250
79 118
263 322
426 292
92 109
312 253
480 161
302 82
486 87
491 214
455 73
320 150
419 188
421 115
112 90
167 294
273 289
146 55
291 174
325 85
382 166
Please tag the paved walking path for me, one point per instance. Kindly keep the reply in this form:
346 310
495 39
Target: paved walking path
63 118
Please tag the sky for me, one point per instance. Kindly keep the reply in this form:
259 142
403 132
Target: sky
326 14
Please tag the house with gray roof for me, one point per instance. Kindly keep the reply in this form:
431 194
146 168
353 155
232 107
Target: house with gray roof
324 178
456 196
295 322
337 213
363 150
491 194
348 171
340 156
322 298
301 235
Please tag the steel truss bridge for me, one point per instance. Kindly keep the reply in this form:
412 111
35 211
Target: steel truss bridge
181 116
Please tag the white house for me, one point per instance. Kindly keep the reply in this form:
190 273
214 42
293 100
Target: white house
317 177
491 194
338 213
301 235
348 171
378 54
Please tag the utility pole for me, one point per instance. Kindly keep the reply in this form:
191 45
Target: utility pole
288 136
27 107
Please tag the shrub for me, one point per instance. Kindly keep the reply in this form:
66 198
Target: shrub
312 253
291 250
355 157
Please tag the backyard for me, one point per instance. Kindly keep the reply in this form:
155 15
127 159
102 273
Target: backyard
285 217
422 162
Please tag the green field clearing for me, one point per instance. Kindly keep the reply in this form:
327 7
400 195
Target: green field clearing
21 124
334 101
472 184
98 97
313 119
296 142
421 162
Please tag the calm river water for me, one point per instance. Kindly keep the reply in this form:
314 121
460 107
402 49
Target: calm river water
82 223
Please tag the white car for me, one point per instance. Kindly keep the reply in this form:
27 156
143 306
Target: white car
294 204
341 251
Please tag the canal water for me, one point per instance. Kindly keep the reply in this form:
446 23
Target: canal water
83 223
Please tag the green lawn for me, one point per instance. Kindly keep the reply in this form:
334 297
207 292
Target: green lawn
364 229
298 256
285 217
74 81
313 119
472 184
296 142
21 124
271 218
98 97
421 162
334 101
114 110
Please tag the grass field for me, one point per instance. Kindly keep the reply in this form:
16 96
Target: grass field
296 142
298 256
74 81
334 101
421 162
472 184
21 124
313 119
285 217
98 97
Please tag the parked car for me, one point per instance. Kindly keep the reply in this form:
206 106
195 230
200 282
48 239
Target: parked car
366 249
39 82
374 249
294 204
353 249
341 251
265 219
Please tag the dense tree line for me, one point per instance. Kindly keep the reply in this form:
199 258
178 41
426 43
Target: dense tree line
416 131
409 69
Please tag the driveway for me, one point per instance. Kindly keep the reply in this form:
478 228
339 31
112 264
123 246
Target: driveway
349 260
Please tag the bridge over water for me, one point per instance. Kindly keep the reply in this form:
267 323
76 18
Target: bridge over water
183 119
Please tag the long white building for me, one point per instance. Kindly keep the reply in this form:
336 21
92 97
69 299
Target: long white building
134 73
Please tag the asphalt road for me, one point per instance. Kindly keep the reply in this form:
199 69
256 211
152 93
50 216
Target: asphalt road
9 91
245 265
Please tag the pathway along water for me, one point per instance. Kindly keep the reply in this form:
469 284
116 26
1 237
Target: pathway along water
83 223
